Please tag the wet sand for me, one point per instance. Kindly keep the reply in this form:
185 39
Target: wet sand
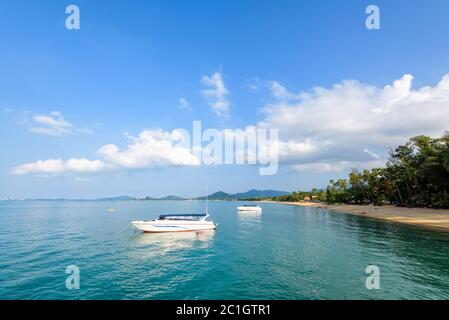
424 217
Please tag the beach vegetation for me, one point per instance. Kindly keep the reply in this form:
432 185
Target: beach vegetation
416 174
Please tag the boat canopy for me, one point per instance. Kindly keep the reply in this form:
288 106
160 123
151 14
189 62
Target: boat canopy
183 216
250 205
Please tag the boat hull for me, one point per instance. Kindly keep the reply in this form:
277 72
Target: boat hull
158 226
252 209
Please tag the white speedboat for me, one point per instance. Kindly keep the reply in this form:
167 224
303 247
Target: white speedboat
176 223
250 207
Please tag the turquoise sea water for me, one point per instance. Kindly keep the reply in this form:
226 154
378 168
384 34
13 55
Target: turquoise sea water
285 252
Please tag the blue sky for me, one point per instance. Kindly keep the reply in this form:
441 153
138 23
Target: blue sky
130 63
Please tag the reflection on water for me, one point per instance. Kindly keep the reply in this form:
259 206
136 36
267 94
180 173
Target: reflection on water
249 222
250 216
163 242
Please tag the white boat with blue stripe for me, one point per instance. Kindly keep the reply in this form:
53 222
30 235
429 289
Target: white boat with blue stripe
176 223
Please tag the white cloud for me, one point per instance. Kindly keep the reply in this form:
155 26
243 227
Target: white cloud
321 166
372 154
52 124
254 84
184 104
217 94
84 165
292 149
281 92
352 123
40 166
336 166
151 148
59 166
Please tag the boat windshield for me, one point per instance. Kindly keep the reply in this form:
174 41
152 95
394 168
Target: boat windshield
250 205
192 217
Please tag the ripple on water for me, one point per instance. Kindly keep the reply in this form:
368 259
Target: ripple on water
282 253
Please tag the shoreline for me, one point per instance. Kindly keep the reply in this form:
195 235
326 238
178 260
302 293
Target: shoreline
437 219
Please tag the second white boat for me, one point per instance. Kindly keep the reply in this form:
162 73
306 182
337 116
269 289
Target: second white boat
250 207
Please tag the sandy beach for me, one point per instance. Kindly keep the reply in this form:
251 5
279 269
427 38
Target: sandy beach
424 217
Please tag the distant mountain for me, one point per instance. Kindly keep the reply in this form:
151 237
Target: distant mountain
251 194
119 198
170 197
220 195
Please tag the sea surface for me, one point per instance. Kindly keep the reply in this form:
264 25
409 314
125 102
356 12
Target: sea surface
285 252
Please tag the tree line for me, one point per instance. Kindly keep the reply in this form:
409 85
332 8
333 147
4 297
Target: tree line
416 175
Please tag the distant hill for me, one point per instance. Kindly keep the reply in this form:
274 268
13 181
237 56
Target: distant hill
251 194
220 195
119 198
170 197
